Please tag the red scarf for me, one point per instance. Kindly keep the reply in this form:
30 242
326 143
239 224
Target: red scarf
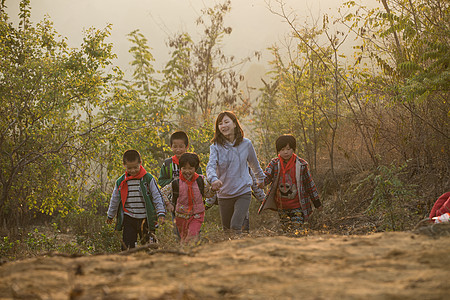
290 164
190 190
175 160
124 185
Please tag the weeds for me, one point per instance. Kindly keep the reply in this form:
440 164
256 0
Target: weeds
8 247
37 242
391 196
34 243
91 232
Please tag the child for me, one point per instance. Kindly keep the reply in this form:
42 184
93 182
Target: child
441 206
170 170
292 188
137 202
186 194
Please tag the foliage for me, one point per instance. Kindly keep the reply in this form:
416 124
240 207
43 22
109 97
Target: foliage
416 35
391 196
67 122
141 108
301 95
36 241
407 94
92 234
98 238
50 94
266 135
8 247
202 75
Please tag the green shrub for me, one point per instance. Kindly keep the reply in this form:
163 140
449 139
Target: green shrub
37 242
391 197
8 248
91 232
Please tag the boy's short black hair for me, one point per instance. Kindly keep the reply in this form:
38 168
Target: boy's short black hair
179 135
189 158
131 156
284 140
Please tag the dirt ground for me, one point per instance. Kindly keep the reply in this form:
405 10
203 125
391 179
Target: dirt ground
401 265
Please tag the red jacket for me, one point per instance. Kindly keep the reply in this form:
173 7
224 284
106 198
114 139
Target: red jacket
441 206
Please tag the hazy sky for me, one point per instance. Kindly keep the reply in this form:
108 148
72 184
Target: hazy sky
254 26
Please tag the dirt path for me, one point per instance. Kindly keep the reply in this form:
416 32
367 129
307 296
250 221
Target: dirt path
378 266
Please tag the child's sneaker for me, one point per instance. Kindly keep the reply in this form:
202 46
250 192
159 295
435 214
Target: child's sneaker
152 239
442 218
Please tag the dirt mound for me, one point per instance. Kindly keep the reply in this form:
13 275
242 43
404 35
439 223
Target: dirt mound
378 266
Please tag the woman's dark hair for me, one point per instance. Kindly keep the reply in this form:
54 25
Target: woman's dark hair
219 138
189 158
131 156
284 140
179 135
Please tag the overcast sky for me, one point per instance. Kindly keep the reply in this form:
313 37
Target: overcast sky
254 27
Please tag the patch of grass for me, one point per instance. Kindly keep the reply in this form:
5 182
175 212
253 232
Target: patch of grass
91 232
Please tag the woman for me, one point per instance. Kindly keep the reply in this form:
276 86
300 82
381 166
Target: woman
230 155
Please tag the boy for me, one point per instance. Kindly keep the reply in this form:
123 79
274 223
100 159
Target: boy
185 195
136 201
170 170
292 188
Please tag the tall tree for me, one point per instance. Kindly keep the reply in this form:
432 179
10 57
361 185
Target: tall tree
49 95
205 78
140 106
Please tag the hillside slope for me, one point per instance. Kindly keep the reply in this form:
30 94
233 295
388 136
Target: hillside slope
397 265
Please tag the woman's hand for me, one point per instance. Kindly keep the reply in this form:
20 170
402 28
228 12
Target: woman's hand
216 185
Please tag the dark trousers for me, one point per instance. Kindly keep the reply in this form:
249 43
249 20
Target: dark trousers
133 227
233 211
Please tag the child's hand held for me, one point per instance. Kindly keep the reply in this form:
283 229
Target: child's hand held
169 207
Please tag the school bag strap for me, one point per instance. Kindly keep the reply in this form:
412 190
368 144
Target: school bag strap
201 185
167 163
175 191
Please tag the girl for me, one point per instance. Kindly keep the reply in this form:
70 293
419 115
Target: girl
230 155
185 195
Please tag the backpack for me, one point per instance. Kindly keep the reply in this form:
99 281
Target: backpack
168 166
176 189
